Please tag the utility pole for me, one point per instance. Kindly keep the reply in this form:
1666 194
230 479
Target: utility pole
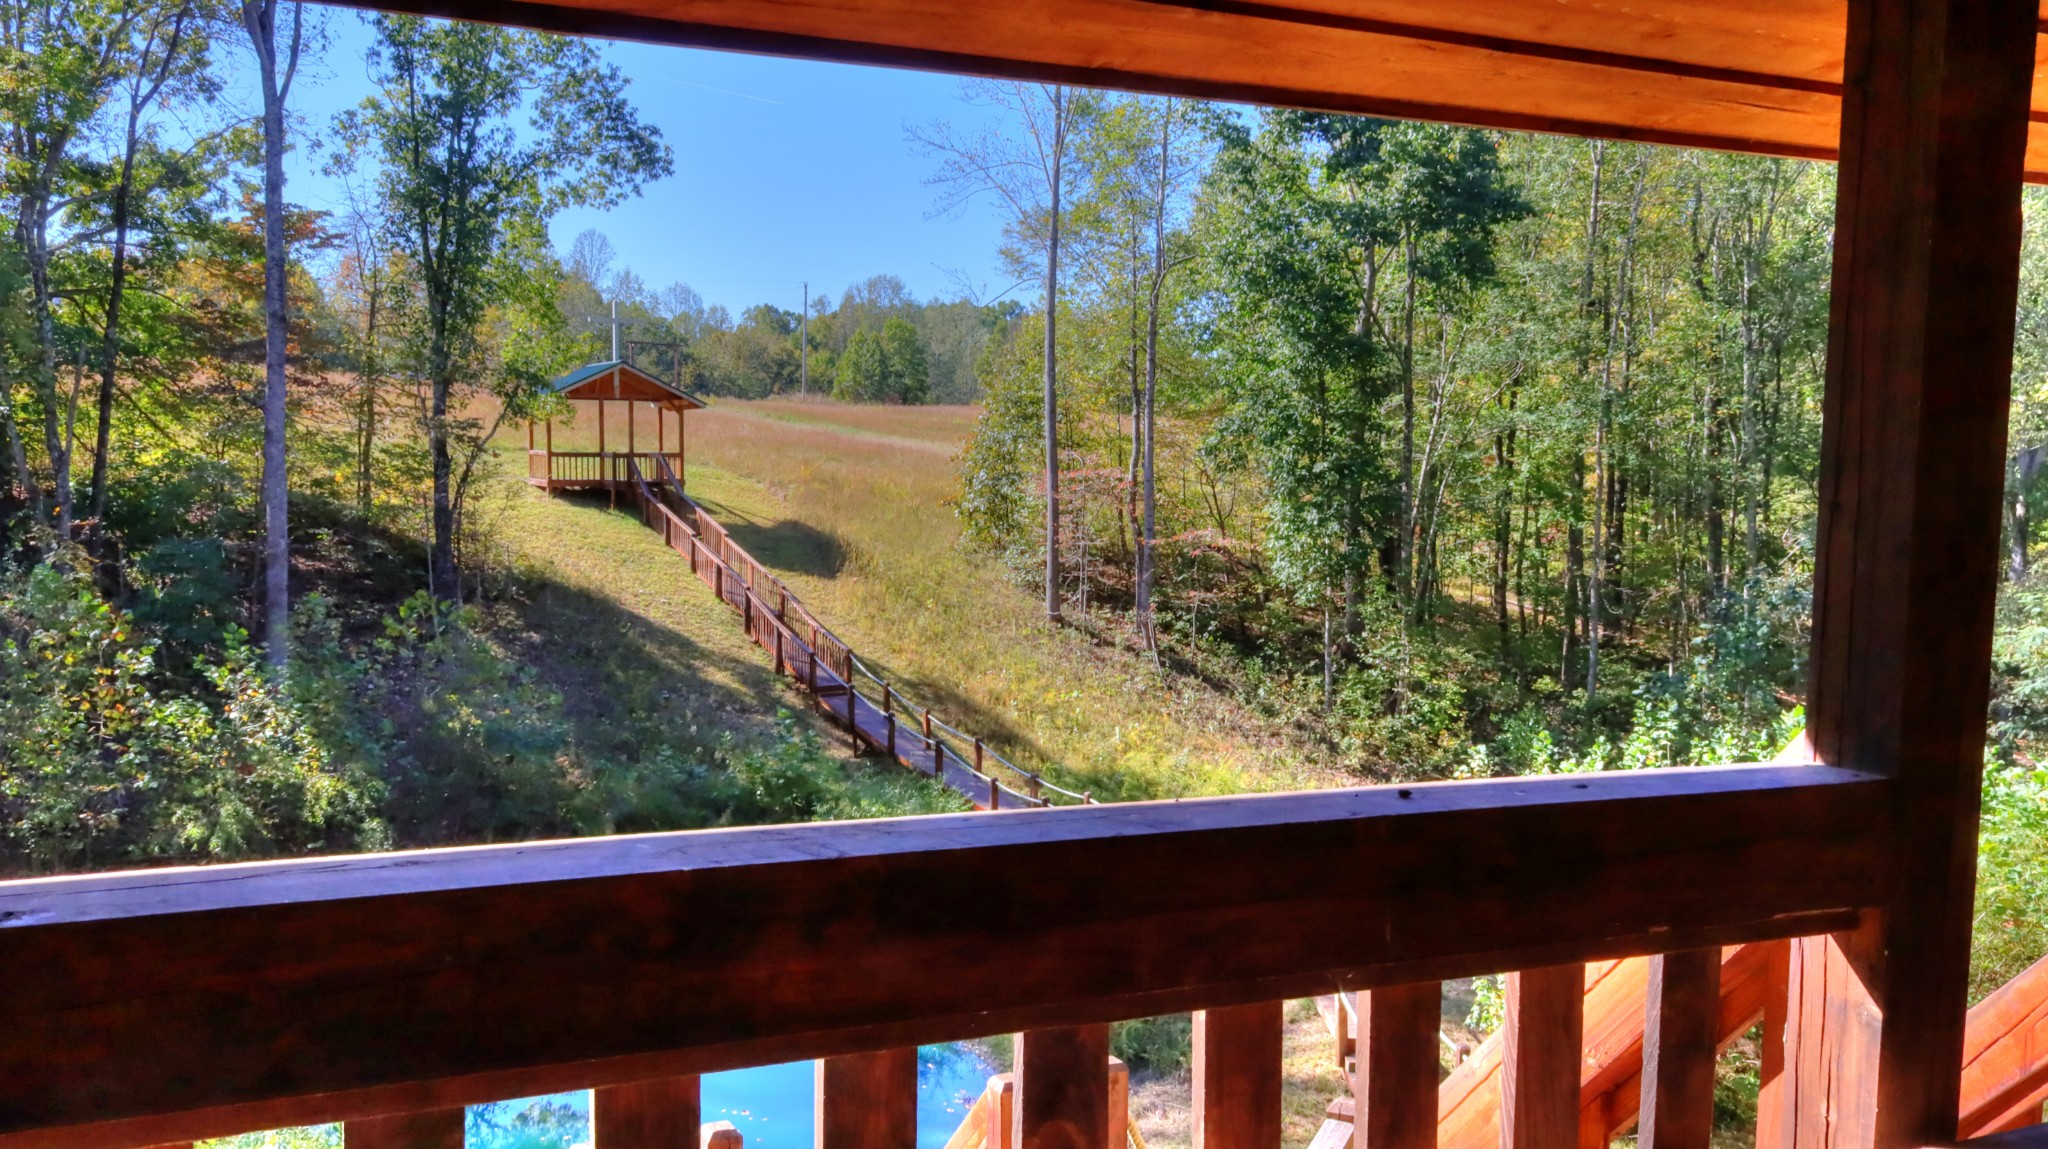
615 323
803 386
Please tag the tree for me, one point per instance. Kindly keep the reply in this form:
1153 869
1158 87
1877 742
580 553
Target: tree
459 178
1028 172
259 18
909 375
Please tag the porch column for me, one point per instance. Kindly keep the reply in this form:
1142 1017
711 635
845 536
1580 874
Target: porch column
1927 237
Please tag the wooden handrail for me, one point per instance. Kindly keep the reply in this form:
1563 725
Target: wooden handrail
745 584
158 1006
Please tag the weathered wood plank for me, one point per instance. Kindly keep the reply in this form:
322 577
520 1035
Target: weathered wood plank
430 1129
1062 1099
868 1100
1542 1034
660 1114
1237 1076
328 988
1680 1040
1394 1090
1927 239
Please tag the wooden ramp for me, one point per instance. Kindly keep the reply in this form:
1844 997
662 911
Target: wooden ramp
2004 1080
876 714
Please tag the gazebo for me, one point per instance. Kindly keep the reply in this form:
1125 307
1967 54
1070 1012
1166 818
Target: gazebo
612 381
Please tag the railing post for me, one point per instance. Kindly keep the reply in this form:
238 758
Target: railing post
1237 1077
978 757
430 1129
778 652
868 1100
661 1114
1394 1085
1541 1042
1062 1088
889 719
1679 1046
995 794
1927 242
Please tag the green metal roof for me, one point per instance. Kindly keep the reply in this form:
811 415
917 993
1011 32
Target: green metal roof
589 371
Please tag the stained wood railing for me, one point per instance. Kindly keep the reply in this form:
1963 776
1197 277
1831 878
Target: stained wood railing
158 1006
806 651
603 469
2004 1076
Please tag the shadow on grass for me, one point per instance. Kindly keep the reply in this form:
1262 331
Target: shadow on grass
789 545
630 685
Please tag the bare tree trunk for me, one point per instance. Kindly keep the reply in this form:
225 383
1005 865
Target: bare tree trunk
1149 532
1052 401
1408 477
259 17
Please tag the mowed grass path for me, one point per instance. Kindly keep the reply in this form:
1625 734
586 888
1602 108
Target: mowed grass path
851 505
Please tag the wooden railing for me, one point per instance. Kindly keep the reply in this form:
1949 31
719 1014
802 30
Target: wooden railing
809 653
593 468
2004 1076
159 1006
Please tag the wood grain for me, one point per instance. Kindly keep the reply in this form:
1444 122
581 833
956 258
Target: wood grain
1541 1039
660 1114
1927 241
324 989
1680 1039
1062 1099
867 1100
1236 1097
1395 1085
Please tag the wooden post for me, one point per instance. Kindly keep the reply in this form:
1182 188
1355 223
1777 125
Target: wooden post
889 719
548 484
778 652
600 427
1394 1089
1062 1088
1920 334
661 1114
868 1101
661 432
995 794
1774 1084
977 757
1237 1077
632 422
1679 1046
1541 1041
431 1129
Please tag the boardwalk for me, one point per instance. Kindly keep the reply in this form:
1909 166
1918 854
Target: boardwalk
842 687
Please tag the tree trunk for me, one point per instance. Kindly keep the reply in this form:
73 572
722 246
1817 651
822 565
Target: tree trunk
259 17
1148 537
1052 412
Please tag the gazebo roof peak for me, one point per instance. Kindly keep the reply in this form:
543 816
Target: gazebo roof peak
618 379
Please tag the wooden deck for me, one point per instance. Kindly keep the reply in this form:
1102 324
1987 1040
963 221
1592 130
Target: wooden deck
867 707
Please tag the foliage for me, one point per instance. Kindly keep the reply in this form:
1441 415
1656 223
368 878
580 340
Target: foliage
111 761
2012 900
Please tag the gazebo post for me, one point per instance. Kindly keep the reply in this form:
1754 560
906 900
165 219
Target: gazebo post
632 421
548 484
660 432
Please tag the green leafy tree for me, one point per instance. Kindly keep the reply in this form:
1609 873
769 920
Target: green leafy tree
460 176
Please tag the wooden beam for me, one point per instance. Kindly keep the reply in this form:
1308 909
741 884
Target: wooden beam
1541 1038
1237 1076
665 1113
1063 1088
1680 1040
429 1129
1927 239
868 1100
1395 1086
320 989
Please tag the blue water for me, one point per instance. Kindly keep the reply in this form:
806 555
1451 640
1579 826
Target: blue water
773 1106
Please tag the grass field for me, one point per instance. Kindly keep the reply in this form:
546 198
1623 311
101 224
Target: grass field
851 506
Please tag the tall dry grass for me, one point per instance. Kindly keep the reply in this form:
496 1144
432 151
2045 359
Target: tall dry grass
866 535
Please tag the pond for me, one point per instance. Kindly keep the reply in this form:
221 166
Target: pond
771 1105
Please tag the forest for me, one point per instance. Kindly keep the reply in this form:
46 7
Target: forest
1446 453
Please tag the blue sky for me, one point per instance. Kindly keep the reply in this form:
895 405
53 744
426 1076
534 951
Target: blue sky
786 171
